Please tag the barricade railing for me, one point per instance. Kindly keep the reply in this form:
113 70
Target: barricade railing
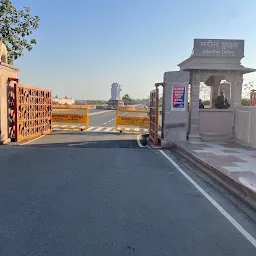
154 114
32 112
138 121
70 117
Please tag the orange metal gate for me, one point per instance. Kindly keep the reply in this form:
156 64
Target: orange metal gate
153 116
29 111
33 112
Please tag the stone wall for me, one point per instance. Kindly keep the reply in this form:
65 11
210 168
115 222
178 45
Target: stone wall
215 124
245 125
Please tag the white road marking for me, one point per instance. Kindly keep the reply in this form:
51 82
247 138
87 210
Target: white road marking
109 121
25 143
72 145
101 112
98 129
245 233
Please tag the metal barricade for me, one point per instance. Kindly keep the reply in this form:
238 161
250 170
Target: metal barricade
136 122
32 112
70 117
153 115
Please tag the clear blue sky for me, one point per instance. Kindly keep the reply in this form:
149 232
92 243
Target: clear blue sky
86 45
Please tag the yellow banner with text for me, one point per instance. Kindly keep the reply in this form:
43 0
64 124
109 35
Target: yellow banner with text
132 121
69 118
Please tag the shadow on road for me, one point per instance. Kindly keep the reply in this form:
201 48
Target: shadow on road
91 144
88 140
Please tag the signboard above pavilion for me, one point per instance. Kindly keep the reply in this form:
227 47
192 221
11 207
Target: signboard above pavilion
218 48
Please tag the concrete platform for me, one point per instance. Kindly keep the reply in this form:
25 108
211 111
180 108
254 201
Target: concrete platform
231 164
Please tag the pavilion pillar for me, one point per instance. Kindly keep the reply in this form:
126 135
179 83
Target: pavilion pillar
194 107
225 87
214 94
236 81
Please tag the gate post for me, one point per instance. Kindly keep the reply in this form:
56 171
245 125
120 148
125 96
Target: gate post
175 105
6 71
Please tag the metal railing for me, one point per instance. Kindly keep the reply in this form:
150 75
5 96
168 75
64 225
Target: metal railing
32 112
136 122
70 117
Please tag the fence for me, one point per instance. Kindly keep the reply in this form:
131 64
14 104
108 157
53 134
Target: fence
138 122
70 115
32 112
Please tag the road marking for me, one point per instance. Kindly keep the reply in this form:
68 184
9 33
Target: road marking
101 112
25 143
109 121
98 129
245 233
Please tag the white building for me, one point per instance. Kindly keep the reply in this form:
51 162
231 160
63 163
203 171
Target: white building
62 101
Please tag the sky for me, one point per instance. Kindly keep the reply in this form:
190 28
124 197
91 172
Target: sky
86 45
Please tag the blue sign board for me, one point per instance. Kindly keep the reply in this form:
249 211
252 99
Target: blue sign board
178 97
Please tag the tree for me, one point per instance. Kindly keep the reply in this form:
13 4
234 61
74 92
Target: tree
16 27
128 100
247 88
245 102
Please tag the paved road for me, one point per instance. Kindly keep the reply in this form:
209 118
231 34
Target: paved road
77 194
99 119
105 118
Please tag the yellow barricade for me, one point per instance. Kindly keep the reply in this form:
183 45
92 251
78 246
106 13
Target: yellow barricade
65 117
125 121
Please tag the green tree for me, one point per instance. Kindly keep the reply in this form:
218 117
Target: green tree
16 28
245 102
247 88
128 100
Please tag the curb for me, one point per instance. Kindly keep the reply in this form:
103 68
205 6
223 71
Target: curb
245 194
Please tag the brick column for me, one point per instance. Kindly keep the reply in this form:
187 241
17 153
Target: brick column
6 71
194 107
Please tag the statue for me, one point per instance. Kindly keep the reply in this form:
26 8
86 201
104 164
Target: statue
3 53
115 91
